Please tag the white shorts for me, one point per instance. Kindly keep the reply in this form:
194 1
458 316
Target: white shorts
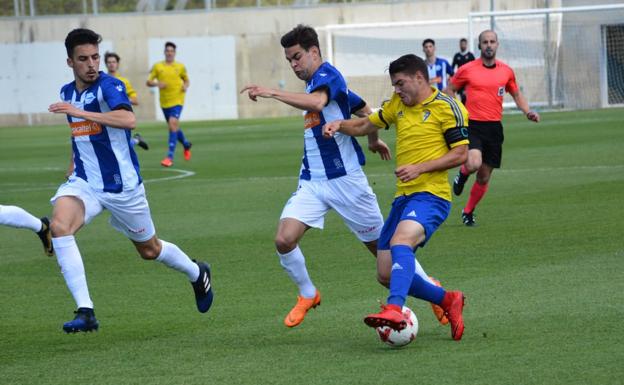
130 213
350 196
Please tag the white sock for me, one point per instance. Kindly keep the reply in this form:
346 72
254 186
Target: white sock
294 264
421 272
18 217
68 257
173 257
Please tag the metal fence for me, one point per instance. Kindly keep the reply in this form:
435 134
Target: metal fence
25 8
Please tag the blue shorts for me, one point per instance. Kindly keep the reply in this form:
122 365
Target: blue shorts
172 112
422 207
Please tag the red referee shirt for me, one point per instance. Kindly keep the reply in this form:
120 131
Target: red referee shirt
485 87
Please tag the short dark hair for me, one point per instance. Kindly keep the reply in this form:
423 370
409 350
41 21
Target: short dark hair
304 35
111 54
428 41
409 64
80 36
170 44
463 40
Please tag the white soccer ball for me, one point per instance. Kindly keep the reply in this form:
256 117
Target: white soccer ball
397 339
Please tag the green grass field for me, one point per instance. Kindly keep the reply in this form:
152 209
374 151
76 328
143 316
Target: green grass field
543 271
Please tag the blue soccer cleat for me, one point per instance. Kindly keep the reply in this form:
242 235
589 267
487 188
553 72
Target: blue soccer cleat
203 288
83 322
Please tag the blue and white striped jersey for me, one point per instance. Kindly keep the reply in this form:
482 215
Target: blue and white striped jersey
103 156
334 157
439 70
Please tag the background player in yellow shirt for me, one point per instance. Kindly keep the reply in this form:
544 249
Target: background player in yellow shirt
431 139
112 66
172 81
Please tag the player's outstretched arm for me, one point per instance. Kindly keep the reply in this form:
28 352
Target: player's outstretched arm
314 101
117 118
523 105
351 127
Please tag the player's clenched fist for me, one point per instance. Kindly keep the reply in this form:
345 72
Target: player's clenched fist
329 129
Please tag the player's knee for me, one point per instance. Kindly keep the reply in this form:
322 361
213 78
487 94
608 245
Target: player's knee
149 253
149 250
59 228
284 244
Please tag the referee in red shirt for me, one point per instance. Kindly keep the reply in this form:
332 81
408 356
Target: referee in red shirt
486 80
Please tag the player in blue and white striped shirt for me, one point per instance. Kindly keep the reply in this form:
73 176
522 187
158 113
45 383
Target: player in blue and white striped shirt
331 175
106 176
439 69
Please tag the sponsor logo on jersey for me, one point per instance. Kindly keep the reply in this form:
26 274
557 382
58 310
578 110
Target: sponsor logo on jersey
85 127
426 114
311 119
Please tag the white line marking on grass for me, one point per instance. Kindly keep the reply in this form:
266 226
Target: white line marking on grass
181 174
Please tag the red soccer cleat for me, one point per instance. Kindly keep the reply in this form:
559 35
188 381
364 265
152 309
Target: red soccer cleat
453 305
167 162
187 151
390 316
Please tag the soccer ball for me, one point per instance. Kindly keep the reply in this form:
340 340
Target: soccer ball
397 339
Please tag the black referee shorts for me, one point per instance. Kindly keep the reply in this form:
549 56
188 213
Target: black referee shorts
487 137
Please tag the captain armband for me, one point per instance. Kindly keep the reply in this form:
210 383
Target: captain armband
456 134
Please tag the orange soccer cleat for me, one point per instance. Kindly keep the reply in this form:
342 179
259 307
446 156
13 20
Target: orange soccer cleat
390 316
167 162
453 305
298 313
437 310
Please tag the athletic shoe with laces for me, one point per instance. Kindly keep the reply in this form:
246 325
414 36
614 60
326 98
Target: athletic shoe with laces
459 182
84 321
187 151
141 142
453 305
46 237
390 316
468 218
299 311
437 310
167 162
203 288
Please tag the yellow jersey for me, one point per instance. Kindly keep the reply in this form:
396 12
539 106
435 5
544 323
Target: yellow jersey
173 75
129 90
421 137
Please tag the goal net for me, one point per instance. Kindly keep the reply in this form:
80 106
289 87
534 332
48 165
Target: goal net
569 58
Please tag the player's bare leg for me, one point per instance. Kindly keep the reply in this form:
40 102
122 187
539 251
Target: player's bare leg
289 233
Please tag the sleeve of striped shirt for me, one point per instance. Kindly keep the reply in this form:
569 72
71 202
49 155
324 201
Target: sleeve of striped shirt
114 93
454 121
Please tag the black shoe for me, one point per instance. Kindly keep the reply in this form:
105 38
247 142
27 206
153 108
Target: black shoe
459 182
83 322
468 218
203 288
46 237
140 142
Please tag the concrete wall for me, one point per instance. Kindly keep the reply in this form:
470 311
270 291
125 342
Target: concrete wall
259 57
